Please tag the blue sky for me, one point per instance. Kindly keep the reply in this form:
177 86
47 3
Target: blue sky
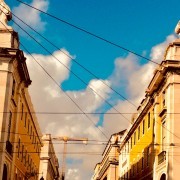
135 25
145 27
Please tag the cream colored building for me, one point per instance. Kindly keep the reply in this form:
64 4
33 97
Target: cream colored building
150 147
49 166
20 135
108 169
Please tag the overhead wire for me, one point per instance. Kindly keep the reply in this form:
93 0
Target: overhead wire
106 101
99 153
68 95
67 113
96 142
76 76
87 70
80 78
70 71
64 91
88 32
83 112
84 81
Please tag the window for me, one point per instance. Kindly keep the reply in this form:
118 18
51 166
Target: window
139 132
148 156
9 125
131 142
142 161
25 158
13 87
134 138
163 134
133 170
31 132
31 165
25 119
22 153
149 120
128 146
163 98
137 167
122 153
28 126
19 145
22 111
125 150
143 130
37 147
33 138
28 161
35 142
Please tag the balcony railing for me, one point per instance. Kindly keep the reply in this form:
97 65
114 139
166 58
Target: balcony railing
161 157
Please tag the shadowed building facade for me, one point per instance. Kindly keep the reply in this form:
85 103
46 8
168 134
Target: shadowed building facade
20 135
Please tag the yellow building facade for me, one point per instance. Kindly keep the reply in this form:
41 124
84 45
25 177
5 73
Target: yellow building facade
149 148
136 151
20 135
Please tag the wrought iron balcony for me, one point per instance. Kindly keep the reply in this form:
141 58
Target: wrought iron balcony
161 157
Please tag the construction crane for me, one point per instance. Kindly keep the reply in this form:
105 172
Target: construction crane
65 139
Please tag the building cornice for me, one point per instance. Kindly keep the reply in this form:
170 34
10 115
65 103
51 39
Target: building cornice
12 54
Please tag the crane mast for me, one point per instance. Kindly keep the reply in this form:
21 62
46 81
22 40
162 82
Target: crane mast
65 139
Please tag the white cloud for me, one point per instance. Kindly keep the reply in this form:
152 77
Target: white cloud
135 77
31 16
48 97
157 52
73 174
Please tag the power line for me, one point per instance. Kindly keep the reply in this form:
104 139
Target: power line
97 153
83 80
75 75
78 113
62 91
89 33
98 143
71 72
87 70
84 83
66 94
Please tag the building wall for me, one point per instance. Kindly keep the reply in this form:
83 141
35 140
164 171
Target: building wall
19 129
108 169
49 167
136 152
155 154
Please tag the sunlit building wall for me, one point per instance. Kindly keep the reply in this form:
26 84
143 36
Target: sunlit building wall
149 149
49 166
108 169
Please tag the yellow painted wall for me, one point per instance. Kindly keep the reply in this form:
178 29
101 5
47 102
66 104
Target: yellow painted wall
24 130
144 141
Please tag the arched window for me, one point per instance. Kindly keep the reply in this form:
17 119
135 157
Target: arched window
5 172
163 176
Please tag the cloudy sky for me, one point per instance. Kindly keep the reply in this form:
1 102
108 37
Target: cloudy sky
87 87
